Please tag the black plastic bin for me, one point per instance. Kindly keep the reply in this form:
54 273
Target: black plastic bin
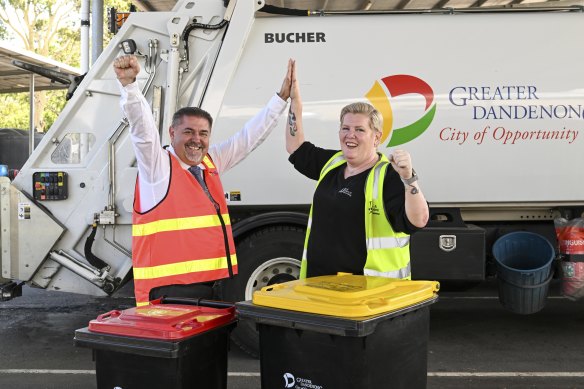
312 351
154 354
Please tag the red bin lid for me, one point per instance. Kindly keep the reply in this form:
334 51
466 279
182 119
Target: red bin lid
162 321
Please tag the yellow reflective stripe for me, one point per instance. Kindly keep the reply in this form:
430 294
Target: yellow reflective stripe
336 159
173 269
207 161
182 223
139 304
303 268
387 251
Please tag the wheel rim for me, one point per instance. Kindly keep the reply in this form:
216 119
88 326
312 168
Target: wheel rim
274 271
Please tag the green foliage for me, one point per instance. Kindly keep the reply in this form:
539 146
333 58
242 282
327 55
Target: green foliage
15 108
12 112
66 47
55 104
4 35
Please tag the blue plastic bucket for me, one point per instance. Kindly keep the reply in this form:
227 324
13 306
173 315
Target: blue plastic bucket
524 270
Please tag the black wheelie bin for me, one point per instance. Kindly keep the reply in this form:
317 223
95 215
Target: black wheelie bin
343 332
161 345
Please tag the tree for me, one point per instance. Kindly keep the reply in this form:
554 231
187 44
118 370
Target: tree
37 25
49 28
3 31
37 22
12 114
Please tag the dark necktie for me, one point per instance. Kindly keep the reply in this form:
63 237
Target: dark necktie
198 173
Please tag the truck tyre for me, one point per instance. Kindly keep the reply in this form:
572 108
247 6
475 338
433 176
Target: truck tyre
268 256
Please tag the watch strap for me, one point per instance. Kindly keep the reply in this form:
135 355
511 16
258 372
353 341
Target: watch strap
410 180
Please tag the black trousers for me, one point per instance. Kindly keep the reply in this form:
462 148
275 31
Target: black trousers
203 290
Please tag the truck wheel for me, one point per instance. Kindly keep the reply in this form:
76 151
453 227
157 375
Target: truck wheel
268 256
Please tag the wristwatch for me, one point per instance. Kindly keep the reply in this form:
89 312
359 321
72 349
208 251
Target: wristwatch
410 180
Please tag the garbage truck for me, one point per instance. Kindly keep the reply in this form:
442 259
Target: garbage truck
490 104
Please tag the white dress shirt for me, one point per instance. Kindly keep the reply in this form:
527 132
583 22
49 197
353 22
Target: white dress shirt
152 159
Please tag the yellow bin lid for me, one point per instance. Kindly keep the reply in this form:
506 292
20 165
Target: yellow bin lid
346 295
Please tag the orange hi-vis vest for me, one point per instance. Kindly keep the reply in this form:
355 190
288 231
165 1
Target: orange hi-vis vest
184 238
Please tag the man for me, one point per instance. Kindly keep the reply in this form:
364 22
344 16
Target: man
181 235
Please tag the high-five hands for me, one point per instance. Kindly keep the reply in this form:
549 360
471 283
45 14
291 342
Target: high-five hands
287 83
295 88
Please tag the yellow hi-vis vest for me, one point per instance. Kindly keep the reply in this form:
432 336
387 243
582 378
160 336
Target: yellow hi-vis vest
388 252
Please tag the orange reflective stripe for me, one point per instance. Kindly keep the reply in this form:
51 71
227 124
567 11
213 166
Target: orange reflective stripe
183 223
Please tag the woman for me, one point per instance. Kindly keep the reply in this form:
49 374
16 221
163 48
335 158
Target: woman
365 205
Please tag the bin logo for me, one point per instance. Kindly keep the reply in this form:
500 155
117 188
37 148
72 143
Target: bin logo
397 85
288 380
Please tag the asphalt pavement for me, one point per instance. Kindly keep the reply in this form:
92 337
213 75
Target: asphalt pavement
474 343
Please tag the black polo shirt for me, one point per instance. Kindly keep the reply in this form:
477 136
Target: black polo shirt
337 237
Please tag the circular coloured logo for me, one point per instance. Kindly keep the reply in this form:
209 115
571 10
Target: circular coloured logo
397 85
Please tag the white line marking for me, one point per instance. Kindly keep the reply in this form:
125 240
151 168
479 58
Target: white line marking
550 374
545 374
45 371
53 371
242 374
489 297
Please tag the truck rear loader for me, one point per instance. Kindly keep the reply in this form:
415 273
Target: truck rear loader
489 104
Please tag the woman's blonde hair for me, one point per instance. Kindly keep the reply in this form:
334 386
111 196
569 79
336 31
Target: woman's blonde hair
375 118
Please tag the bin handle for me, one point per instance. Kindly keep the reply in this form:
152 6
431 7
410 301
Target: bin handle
104 316
546 281
273 287
200 302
